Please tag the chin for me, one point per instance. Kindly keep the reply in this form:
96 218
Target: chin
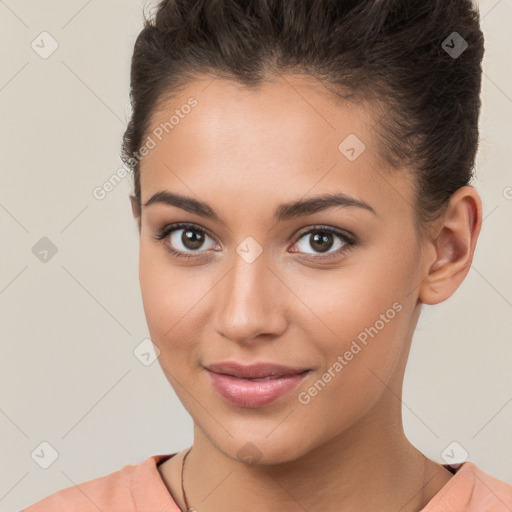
260 450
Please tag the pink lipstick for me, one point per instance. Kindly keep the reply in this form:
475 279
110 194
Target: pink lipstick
255 385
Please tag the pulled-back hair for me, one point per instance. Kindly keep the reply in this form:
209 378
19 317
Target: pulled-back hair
393 54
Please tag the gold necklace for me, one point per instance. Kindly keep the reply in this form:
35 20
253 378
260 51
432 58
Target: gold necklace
187 508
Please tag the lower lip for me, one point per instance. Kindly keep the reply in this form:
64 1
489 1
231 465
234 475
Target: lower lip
253 394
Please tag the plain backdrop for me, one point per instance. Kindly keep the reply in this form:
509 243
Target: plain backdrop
71 315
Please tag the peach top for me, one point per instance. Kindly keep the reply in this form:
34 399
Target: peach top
140 488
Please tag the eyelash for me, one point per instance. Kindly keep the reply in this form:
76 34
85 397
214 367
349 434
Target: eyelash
348 240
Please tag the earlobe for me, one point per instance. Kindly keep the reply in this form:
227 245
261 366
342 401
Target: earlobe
454 246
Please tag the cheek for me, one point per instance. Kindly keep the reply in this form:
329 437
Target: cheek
358 318
369 338
160 289
357 363
172 297
339 304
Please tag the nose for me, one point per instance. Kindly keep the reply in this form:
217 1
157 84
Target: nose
250 301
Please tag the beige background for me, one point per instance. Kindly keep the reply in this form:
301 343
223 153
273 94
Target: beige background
68 373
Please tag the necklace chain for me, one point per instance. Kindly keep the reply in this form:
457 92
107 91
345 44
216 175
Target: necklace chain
187 508
192 509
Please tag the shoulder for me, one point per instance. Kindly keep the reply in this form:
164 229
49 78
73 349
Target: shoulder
489 493
472 490
111 492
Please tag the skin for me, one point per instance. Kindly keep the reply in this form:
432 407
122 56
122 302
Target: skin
245 152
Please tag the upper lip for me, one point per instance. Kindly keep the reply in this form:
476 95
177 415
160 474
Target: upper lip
254 371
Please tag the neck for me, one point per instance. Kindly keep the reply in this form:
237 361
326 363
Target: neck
361 470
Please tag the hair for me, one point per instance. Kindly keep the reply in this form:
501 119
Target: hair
387 53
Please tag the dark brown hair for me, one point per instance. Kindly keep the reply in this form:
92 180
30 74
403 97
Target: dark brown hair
400 55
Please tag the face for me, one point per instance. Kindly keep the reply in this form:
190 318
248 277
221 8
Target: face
329 289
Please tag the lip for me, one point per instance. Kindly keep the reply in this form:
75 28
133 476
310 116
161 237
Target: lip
254 371
236 384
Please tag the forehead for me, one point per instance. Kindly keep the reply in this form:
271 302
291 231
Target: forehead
287 114
283 137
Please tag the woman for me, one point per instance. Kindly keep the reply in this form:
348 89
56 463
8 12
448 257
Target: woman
301 187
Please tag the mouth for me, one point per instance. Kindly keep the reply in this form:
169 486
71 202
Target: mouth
261 371
256 385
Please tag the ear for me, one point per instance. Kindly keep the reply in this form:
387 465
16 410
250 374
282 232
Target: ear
135 209
454 245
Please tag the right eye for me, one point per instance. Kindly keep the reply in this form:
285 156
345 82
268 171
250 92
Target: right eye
182 240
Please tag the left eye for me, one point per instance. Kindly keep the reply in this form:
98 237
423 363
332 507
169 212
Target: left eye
323 240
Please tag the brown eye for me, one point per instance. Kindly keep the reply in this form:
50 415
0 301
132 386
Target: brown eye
321 241
328 241
191 239
184 240
188 239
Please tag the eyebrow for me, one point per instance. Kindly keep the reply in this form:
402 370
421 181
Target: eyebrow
283 212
